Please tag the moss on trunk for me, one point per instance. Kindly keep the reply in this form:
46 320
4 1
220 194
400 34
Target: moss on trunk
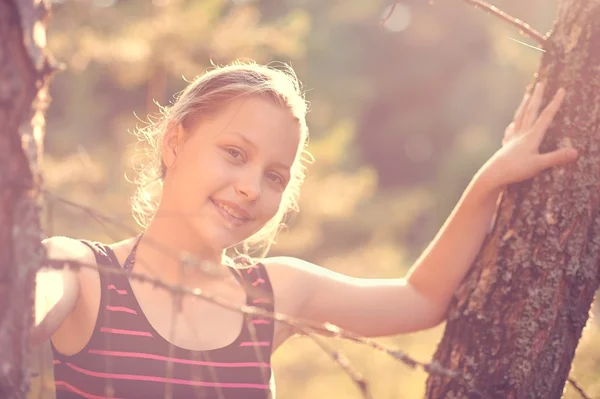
24 73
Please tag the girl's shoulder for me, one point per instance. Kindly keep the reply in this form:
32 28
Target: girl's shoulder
84 251
58 288
67 248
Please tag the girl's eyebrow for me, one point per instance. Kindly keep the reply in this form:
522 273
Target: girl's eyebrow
245 139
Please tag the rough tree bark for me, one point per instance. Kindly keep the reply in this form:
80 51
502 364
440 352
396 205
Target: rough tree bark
24 73
516 321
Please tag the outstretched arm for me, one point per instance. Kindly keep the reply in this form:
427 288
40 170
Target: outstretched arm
376 307
379 307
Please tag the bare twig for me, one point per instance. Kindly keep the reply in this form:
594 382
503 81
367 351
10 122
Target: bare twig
578 388
306 327
524 28
343 362
389 14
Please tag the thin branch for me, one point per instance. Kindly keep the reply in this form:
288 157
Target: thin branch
578 388
524 28
337 357
389 14
343 362
309 328
305 327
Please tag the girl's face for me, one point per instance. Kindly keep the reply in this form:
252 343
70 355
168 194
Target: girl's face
227 175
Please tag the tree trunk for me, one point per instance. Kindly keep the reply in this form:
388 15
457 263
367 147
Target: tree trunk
516 320
24 73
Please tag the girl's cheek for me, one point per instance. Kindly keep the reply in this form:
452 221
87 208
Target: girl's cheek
274 205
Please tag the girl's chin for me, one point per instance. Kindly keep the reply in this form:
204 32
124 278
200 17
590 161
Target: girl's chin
221 237
221 241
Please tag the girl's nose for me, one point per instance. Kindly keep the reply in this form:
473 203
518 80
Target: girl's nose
249 187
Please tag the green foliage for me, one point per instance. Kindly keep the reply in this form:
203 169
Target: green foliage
400 121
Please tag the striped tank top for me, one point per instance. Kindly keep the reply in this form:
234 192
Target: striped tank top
126 358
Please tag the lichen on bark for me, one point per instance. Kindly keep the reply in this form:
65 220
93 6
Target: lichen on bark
25 69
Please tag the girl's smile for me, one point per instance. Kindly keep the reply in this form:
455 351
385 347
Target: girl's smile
231 212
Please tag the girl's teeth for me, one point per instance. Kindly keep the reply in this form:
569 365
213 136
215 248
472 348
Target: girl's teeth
231 212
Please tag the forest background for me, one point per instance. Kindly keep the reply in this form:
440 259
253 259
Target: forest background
402 115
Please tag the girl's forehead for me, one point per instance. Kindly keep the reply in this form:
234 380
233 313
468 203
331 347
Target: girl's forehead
257 122
259 112
260 119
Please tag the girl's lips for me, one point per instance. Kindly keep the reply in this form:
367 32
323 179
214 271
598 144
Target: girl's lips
228 216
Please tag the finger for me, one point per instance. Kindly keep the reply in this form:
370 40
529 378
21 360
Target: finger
555 158
518 117
508 133
532 111
547 115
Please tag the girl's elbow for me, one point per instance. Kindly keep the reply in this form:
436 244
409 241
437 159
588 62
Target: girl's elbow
439 316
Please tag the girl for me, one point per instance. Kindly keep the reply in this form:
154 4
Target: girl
226 166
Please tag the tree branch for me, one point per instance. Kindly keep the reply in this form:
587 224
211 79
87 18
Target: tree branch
578 388
305 327
524 28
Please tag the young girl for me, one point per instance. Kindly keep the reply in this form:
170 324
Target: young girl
226 166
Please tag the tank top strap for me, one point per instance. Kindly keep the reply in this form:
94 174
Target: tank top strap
259 289
105 260
256 338
113 278
102 252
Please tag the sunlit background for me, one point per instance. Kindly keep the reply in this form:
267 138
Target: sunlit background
402 115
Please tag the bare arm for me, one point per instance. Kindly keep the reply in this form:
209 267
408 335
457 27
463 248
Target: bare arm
379 307
376 307
57 291
369 307
443 265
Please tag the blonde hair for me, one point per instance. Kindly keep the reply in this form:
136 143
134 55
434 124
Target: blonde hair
206 95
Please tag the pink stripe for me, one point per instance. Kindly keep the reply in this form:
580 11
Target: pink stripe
125 332
165 380
175 360
260 321
261 300
56 362
80 392
120 292
251 343
258 281
120 309
249 269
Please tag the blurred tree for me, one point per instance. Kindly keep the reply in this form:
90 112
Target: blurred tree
24 73
403 131
518 317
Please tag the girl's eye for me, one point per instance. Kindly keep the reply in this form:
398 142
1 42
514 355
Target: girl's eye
235 154
274 177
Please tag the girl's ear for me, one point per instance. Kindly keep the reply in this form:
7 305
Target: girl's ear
171 144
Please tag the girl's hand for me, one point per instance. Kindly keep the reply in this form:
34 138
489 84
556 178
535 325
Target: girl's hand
519 158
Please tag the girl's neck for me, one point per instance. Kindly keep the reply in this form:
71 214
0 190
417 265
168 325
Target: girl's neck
170 252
